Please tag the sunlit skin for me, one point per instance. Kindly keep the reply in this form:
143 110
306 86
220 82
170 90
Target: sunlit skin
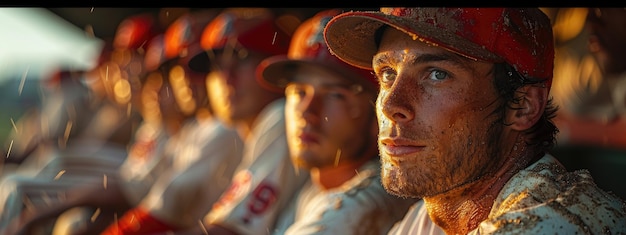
331 125
235 95
435 109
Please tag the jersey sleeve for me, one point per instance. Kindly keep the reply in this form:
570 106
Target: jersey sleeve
146 159
200 173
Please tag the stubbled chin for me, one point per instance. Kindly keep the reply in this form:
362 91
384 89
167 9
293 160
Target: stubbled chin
390 181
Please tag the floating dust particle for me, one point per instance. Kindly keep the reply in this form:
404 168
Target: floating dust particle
274 39
202 227
14 126
10 147
95 215
337 157
116 222
68 129
21 87
104 181
61 172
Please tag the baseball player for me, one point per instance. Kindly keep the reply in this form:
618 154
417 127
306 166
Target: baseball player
103 197
89 131
331 132
235 42
204 156
465 121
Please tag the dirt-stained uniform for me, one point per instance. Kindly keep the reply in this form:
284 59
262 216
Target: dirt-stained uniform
542 199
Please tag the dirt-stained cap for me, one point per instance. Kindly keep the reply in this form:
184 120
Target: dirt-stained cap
309 48
522 37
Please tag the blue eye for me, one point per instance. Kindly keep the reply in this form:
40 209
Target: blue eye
437 75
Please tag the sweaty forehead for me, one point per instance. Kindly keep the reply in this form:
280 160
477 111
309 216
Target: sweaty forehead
398 47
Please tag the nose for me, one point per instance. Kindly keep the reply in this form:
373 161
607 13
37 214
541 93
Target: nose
310 106
395 103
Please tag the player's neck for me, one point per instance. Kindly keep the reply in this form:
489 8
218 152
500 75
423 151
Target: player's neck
461 209
335 176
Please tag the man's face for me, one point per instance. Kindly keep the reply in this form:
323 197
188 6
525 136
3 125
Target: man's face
234 93
329 119
434 115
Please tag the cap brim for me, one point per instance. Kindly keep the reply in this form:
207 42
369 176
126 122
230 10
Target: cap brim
351 36
276 72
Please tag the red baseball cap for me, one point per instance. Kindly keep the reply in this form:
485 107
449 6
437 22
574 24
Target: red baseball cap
135 31
182 37
255 29
521 37
308 48
181 40
155 55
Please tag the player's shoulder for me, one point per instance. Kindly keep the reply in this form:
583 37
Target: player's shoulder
545 198
366 189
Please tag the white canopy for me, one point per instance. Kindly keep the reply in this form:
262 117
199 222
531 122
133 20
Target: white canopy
34 41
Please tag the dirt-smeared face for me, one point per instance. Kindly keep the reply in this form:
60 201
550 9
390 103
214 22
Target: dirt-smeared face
435 116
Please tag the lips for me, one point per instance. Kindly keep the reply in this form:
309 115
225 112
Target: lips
307 138
398 147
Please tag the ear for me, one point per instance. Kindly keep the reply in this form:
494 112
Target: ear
533 100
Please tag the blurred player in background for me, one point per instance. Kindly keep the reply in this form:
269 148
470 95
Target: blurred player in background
332 132
590 89
235 42
206 152
88 131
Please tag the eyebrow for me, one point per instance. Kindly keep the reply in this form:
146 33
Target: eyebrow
452 58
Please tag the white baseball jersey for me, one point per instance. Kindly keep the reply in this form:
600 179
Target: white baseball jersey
83 153
205 159
145 162
177 179
542 199
416 221
265 181
359 206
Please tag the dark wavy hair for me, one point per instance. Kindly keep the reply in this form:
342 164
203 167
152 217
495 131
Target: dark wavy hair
507 82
